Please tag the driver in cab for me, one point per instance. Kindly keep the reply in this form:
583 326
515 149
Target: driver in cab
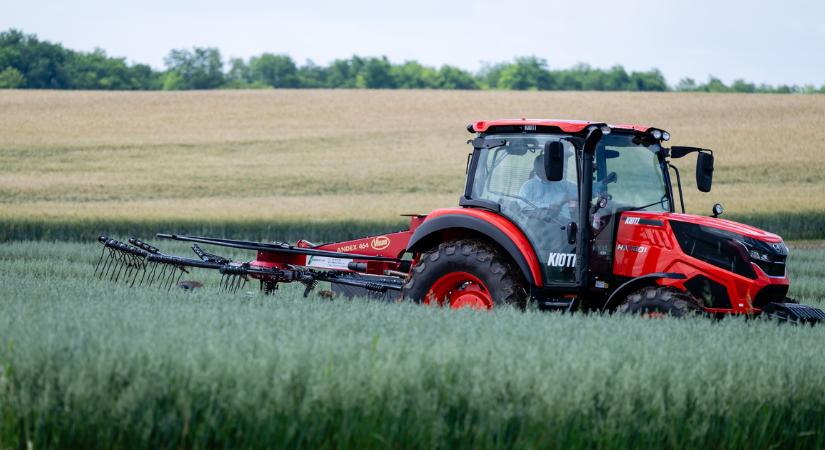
558 198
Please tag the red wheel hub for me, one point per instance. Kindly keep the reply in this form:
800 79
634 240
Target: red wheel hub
459 290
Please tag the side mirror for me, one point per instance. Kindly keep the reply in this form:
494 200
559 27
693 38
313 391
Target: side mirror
704 171
554 161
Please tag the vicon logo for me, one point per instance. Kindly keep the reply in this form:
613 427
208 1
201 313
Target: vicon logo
380 242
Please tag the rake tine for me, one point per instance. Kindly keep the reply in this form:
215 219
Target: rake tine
175 269
241 283
103 264
224 280
161 274
140 267
161 279
124 266
179 277
236 283
172 277
108 264
130 266
168 276
145 271
102 253
118 267
155 272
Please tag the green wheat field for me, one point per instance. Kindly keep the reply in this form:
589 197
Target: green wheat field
89 364
85 363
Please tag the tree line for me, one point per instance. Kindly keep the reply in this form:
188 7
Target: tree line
29 63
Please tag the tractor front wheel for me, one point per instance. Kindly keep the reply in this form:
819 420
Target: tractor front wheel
659 301
466 274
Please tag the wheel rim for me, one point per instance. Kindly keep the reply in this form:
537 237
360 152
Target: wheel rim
459 290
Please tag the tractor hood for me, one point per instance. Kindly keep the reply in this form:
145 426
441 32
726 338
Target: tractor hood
726 244
722 224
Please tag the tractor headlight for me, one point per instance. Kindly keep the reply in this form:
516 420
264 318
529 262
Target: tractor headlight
760 256
665 136
606 129
657 134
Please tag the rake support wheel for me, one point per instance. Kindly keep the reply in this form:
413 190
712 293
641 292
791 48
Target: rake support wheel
466 273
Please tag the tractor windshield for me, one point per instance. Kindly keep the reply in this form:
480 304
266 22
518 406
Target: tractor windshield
629 173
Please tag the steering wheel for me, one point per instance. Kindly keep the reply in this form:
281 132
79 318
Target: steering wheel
600 187
545 214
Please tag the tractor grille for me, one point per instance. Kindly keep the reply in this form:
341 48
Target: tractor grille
714 246
772 269
731 251
772 293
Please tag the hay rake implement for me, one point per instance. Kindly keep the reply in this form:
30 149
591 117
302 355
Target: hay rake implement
138 263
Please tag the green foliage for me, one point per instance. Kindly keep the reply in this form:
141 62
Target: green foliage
41 63
450 77
277 71
375 73
531 73
525 73
86 363
741 86
26 62
11 78
96 70
412 75
199 68
312 75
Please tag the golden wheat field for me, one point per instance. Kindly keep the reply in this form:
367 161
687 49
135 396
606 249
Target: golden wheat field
358 154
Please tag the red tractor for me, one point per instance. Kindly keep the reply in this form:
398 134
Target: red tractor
568 215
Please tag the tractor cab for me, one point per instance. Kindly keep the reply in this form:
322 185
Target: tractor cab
533 175
595 206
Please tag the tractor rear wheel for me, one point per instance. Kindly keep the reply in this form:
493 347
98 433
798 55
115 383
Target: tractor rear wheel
466 273
659 301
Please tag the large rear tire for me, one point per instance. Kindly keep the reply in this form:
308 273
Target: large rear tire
466 273
658 301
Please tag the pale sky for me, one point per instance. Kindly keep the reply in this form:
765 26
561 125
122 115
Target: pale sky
776 42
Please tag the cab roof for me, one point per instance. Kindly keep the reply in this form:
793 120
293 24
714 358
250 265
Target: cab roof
567 126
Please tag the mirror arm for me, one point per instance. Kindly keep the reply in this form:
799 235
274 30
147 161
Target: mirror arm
679 184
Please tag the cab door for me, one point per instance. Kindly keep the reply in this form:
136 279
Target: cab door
513 176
